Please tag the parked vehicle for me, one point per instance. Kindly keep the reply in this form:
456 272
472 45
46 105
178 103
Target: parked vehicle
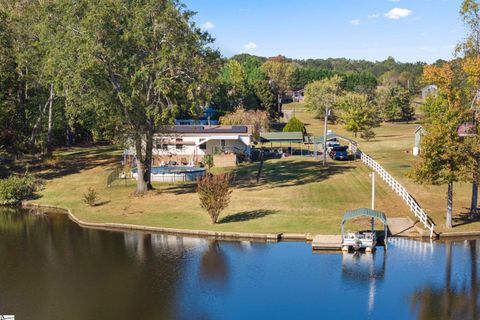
338 153
331 144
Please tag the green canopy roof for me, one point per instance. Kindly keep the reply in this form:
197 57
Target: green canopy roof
364 212
331 136
281 137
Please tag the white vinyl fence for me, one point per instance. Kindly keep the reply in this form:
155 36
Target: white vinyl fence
397 187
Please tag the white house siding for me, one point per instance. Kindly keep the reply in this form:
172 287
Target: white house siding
192 146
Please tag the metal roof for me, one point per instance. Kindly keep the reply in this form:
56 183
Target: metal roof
212 129
364 212
281 137
331 136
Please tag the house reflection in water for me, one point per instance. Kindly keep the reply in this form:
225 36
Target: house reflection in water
137 244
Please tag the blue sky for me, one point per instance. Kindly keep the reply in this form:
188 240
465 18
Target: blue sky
408 30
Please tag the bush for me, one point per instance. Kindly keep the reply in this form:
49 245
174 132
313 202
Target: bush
214 192
367 134
208 161
15 189
90 197
295 125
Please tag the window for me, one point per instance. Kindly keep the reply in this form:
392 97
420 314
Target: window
222 143
164 146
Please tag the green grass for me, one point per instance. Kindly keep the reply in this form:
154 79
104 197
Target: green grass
295 194
392 148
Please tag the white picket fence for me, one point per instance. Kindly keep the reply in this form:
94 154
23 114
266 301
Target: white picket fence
398 188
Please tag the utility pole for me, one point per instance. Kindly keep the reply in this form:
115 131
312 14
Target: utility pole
325 136
327 111
372 174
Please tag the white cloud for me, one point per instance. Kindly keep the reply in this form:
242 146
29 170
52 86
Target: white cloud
373 15
394 0
250 46
397 13
208 25
354 22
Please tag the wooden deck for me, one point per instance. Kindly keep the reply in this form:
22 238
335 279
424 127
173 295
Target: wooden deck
323 242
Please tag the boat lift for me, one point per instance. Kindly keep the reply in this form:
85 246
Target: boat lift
362 240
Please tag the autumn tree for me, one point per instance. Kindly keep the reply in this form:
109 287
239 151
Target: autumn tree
214 192
358 114
321 95
394 103
444 156
280 73
469 48
258 119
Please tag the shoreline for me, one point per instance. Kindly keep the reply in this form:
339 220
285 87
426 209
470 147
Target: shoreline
222 235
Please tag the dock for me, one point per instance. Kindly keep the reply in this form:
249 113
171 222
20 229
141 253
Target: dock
327 242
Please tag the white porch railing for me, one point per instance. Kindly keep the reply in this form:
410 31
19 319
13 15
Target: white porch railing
397 187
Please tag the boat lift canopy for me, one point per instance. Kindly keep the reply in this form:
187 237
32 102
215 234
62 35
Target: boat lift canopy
365 212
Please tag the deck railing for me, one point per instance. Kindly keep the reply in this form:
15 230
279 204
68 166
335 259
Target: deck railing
397 187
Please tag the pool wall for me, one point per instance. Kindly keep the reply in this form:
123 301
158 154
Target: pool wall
176 176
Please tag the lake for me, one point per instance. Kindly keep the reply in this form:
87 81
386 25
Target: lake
50 268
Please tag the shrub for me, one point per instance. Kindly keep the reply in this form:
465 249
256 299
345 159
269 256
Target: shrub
367 134
214 192
90 197
15 189
208 161
295 125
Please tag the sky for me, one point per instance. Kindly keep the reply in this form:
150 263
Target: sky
408 30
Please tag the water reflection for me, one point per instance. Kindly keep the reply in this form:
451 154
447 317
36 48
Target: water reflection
52 269
214 264
362 268
452 300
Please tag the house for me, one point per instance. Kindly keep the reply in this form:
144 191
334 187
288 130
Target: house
428 90
188 144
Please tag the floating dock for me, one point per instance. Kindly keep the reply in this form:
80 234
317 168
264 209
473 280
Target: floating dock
324 242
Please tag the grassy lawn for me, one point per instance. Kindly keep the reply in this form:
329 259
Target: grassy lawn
295 194
392 148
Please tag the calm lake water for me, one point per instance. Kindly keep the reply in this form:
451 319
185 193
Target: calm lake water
52 269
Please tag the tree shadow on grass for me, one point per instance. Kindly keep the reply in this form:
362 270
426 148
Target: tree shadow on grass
77 161
247 215
465 218
181 188
288 173
64 162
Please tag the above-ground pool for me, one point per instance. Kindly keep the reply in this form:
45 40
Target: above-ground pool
174 173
